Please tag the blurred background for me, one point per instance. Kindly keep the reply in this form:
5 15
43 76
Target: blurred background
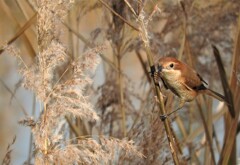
122 89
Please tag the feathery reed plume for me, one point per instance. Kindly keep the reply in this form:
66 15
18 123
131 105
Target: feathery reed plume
63 94
61 77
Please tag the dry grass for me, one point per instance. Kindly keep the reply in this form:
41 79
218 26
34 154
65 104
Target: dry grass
7 157
117 121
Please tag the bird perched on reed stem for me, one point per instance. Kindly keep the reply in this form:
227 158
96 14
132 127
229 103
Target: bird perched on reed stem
183 81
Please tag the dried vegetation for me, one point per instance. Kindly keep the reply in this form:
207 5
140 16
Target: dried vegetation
70 46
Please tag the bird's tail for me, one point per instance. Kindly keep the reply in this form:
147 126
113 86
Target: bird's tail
221 98
215 95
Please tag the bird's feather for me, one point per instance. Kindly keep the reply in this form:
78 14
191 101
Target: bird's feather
215 95
191 79
164 84
202 79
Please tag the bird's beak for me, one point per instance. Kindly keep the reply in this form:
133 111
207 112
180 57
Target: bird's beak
160 68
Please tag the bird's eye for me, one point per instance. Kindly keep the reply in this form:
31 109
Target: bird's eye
171 65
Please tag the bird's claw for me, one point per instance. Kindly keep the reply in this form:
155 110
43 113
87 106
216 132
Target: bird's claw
163 117
156 78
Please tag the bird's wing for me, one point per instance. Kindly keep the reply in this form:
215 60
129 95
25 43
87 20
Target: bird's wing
164 84
186 86
202 79
193 81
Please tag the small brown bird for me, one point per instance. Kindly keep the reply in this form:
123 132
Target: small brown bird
183 81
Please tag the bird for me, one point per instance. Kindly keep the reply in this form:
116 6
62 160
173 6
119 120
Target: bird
183 81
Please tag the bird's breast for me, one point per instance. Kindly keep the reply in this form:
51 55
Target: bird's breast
179 89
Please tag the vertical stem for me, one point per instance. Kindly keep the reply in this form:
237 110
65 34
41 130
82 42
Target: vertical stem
209 122
121 98
216 140
31 136
46 135
160 103
230 131
162 111
207 132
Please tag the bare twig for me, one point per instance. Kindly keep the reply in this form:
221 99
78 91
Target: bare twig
230 134
31 136
7 157
206 131
162 111
143 65
131 8
13 95
73 127
216 140
21 31
90 45
226 88
121 98
123 19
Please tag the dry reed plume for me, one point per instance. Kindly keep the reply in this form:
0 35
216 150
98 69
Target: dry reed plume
116 120
62 97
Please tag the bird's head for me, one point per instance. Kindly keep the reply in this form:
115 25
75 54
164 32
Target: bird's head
170 68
